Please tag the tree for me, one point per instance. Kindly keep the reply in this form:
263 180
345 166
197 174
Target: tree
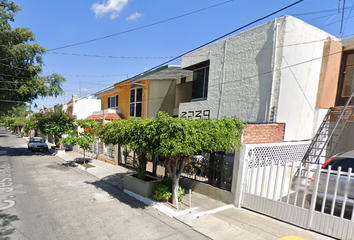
136 134
83 138
21 63
178 139
55 122
31 123
220 135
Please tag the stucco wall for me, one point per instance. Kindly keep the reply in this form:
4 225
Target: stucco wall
268 73
239 75
83 108
162 96
300 68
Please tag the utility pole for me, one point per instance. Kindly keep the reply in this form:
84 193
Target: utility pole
341 22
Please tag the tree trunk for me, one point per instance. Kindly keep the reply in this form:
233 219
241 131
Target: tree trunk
154 165
56 140
175 169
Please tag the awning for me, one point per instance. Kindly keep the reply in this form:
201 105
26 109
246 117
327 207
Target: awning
164 72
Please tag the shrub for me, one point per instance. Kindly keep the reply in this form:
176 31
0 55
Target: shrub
163 191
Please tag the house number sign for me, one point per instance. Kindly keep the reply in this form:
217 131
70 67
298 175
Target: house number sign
198 114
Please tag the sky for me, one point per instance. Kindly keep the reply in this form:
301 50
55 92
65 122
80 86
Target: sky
96 43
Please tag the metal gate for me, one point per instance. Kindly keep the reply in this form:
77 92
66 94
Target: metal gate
270 188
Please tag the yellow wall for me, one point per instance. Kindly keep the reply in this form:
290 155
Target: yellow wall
123 91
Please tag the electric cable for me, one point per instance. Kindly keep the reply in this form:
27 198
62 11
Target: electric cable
223 36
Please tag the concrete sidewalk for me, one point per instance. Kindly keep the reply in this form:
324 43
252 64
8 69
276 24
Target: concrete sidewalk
210 217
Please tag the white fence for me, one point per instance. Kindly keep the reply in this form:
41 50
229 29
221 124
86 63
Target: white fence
272 186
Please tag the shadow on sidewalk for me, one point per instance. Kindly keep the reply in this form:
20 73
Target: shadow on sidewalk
5 225
115 191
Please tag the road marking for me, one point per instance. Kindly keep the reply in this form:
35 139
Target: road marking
5 183
10 205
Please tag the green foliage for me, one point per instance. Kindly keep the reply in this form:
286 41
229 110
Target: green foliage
175 138
136 134
31 123
55 122
221 135
114 132
163 191
140 166
82 138
22 63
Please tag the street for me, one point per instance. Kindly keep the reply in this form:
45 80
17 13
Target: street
42 198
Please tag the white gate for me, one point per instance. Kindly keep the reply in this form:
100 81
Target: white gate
270 188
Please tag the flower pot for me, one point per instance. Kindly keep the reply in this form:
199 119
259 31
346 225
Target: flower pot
138 186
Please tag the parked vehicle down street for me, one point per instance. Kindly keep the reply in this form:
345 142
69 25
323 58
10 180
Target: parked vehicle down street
37 144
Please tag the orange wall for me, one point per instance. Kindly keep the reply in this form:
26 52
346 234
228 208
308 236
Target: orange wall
329 76
123 92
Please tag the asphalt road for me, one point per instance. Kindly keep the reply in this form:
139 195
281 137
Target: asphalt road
40 198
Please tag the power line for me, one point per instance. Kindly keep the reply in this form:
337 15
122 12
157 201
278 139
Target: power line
138 28
127 74
100 56
223 36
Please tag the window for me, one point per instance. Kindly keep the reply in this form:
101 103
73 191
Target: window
200 80
136 97
346 78
112 102
200 83
183 80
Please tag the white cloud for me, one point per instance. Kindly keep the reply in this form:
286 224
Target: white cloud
85 90
113 7
134 16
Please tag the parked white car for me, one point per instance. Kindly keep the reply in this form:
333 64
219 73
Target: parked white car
37 144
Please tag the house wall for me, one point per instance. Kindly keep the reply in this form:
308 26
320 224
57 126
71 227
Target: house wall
265 74
346 142
162 96
123 92
239 75
83 108
329 76
183 93
300 68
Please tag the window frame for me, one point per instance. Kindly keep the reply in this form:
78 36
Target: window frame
109 102
197 67
205 82
341 100
135 102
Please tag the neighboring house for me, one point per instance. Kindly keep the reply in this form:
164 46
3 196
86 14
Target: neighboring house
142 96
280 78
84 107
268 74
146 94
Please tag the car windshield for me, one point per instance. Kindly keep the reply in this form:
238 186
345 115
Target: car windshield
345 163
37 141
